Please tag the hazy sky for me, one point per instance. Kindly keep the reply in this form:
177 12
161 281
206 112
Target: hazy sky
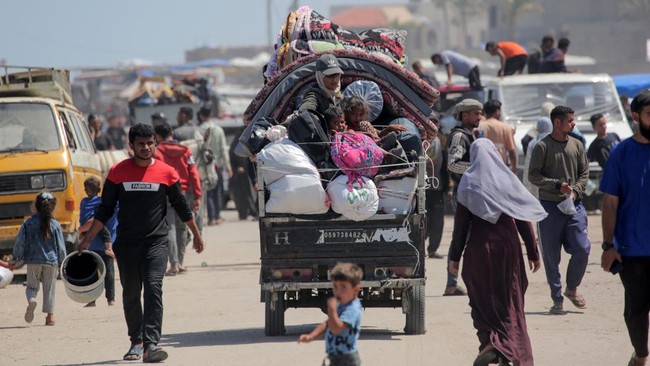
75 33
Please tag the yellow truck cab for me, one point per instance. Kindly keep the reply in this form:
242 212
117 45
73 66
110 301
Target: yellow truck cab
45 144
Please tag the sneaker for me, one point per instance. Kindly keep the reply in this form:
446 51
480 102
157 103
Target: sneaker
29 313
557 309
111 302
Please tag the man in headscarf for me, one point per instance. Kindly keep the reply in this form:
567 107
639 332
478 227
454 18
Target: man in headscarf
468 112
487 225
559 167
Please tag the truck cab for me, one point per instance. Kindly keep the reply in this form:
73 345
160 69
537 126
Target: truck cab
45 144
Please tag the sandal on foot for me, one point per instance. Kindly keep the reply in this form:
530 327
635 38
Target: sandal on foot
577 300
459 291
134 354
634 361
29 313
154 354
557 309
485 359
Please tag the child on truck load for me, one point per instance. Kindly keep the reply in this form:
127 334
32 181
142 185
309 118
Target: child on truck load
40 245
103 243
343 323
356 113
335 120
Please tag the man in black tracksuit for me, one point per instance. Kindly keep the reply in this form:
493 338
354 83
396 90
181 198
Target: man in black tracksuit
142 186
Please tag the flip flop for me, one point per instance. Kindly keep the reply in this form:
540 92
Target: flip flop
29 313
134 354
459 291
154 354
577 300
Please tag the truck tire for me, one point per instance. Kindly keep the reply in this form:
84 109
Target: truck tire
274 314
414 308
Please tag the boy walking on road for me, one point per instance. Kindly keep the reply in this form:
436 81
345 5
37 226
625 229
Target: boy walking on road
343 323
142 186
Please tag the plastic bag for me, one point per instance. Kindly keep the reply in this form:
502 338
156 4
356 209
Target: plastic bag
355 203
567 206
368 91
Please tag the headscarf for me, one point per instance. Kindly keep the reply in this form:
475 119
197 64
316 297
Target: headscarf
544 128
333 94
488 188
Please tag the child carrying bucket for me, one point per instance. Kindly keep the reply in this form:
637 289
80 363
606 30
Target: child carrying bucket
40 245
103 243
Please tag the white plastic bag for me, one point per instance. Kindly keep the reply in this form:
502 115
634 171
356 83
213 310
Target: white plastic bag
357 204
298 195
284 157
396 195
6 276
567 206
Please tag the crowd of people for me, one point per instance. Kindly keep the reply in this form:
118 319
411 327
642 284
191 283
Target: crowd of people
158 194
513 59
556 171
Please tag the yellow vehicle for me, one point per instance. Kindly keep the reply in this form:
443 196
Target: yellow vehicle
45 144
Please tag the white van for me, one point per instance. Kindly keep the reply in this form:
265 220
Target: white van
523 95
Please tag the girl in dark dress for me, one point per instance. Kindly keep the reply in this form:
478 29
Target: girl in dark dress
494 208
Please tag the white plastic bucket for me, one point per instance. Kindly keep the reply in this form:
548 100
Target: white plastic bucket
6 276
83 276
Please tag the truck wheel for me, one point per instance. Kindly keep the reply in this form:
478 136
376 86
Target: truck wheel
274 314
413 304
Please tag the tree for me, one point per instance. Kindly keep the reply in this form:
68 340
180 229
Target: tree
515 9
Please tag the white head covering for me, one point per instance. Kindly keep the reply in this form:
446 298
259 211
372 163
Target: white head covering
333 94
544 128
488 188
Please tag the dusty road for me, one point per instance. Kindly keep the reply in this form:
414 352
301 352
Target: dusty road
213 316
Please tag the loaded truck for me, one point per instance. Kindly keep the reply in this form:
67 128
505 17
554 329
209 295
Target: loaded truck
298 252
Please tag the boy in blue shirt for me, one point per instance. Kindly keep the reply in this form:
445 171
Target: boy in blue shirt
343 322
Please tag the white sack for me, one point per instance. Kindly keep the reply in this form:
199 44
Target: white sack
298 195
359 204
284 157
396 195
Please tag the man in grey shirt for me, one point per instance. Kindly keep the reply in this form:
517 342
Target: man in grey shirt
559 167
458 64
186 130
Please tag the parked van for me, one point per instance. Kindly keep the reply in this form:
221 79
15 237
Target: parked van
523 95
45 144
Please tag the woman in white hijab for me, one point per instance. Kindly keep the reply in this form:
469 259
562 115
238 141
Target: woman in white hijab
494 208
544 127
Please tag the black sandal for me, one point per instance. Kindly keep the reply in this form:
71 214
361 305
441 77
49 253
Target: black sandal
154 354
135 353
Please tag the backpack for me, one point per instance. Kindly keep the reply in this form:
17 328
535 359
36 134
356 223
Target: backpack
206 163
357 155
306 130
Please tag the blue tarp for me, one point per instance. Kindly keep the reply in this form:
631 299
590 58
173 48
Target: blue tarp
631 84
